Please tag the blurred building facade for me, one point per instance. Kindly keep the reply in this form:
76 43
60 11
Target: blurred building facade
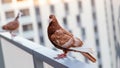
96 22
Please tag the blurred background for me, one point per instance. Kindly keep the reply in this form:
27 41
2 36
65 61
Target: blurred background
95 22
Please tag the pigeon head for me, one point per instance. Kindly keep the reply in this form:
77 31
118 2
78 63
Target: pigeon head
52 18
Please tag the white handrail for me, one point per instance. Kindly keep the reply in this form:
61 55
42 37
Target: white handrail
39 53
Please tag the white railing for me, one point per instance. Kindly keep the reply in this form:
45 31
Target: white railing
22 53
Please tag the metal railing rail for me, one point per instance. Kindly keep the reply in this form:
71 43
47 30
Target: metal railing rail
39 54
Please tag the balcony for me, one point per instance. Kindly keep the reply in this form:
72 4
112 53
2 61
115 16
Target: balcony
22 53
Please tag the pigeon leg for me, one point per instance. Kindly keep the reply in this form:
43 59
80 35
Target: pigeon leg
61 56
12 34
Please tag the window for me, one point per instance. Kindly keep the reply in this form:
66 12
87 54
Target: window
25 12
94 15
100 66
93 3
27 27
42 40
41 33
65 21
66 8
40 29
94 12
95 29
6 1
9 14
97 42
98 55
80 6
52 9
83 33
37 10
39 25
78 20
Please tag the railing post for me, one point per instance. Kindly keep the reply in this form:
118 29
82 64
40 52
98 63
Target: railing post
1 56
37 63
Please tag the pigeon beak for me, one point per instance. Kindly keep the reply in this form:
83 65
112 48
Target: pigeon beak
50 20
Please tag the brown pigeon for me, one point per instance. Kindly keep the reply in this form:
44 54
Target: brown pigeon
64 40
12 26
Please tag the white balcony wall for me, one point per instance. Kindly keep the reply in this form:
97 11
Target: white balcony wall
15 57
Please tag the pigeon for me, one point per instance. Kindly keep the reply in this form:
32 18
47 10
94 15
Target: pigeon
12 25
64 40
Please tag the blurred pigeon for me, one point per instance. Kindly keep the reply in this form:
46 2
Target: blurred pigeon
12 25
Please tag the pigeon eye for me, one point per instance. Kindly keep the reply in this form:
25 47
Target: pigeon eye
50 16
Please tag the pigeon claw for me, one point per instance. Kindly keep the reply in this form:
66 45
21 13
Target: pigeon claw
60 56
